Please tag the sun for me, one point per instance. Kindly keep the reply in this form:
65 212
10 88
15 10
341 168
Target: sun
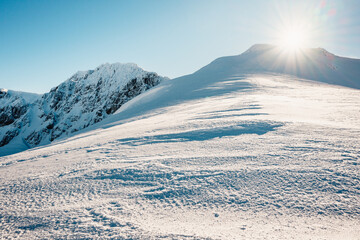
293 39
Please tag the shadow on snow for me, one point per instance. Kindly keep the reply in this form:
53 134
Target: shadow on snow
258 128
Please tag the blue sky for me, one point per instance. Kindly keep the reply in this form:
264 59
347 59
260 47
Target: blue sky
44 42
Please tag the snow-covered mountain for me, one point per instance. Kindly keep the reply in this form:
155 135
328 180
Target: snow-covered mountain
311 63
237 150
28 120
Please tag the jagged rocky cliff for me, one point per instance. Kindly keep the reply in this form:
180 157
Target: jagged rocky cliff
28 120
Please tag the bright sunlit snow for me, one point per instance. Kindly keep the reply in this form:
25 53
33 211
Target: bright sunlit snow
214 155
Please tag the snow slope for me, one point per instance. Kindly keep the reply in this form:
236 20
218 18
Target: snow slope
212 155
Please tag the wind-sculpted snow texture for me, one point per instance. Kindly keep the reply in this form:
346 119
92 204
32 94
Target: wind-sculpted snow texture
212 155
84 99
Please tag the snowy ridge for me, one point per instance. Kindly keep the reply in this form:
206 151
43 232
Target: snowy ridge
6 94
84 99
312 63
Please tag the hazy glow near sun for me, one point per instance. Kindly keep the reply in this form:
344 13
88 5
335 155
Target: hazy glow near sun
293 39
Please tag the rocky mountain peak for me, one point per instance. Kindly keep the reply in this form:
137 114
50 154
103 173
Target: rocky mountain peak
84 99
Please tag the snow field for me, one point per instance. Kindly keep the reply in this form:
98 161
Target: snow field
253 157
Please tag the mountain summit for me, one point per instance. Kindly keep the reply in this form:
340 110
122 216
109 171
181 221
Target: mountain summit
28 120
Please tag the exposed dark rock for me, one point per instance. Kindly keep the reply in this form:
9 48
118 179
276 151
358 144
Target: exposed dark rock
9 135
34 138
5 117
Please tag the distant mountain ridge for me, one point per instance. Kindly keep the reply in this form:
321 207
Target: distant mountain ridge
310 63
28 120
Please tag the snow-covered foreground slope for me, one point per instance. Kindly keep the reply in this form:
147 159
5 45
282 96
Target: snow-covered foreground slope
205 156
